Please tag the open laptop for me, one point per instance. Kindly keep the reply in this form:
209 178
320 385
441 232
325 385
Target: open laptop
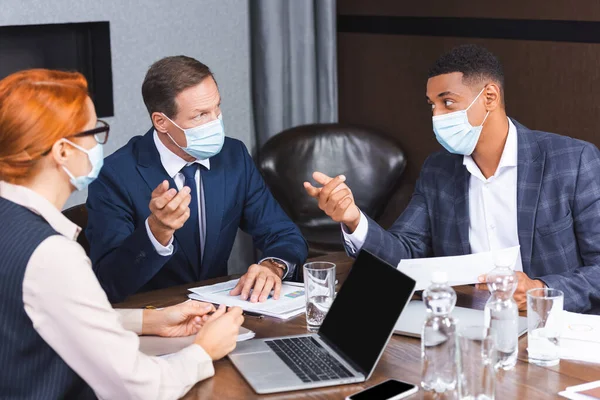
349 343
413 317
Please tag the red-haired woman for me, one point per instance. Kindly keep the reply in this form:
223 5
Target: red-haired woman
59 336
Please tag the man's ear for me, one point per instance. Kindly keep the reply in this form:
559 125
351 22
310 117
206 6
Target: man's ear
493 96
160 122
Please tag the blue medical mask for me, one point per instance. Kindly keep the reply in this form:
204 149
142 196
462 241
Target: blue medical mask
203 141
96 157
454 131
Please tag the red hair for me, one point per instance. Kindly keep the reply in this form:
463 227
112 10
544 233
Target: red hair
38 107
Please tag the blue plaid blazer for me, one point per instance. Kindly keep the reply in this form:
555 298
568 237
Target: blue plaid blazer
558 206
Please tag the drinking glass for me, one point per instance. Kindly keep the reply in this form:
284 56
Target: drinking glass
319 285
477 358
544 325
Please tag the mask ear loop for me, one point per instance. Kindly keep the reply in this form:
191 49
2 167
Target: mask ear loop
169 135
473 102
486 115
173 122
475 99
87 152
78 147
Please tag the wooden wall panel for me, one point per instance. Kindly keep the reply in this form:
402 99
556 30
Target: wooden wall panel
569 10
551 86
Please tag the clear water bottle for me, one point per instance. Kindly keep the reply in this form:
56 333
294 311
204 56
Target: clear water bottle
502 313
439 343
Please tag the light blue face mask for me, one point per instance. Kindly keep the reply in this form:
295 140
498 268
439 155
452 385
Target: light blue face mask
96 157
203 141
455 132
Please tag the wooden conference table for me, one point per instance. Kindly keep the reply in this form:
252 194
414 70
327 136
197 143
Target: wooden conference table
401 359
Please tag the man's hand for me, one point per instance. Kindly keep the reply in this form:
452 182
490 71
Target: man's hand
218 336
169 211
524 284
183 319
336 199
260 279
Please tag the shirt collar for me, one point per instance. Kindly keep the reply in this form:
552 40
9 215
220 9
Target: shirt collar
40 205
509 156
171 162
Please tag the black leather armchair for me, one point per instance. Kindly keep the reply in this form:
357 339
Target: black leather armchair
373 165
79 216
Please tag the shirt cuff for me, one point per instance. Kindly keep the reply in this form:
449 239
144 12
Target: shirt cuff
290 267
355 241
131 319
196 364
160 249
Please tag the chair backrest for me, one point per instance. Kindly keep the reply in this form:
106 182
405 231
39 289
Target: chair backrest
371 162
78 215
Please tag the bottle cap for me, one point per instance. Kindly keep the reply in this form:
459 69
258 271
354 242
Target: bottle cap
439 277
506 258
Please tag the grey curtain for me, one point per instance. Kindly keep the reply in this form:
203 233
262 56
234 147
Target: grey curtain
294 66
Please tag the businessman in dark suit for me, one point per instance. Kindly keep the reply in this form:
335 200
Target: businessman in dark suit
497 184
166 207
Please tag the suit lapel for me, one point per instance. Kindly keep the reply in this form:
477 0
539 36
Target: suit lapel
530 171
461 205
213 181
151 169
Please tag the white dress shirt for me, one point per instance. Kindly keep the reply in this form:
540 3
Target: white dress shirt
173 164
492 205
71 313
493 202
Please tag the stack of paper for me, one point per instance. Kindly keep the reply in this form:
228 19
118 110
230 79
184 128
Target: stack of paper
461 270
160 346
292 300
580 338
587 391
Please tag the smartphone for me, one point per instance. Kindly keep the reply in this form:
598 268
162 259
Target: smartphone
388 390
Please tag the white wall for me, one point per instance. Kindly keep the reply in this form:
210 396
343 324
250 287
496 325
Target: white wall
215 32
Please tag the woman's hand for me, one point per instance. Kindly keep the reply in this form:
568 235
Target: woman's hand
183 319
219 336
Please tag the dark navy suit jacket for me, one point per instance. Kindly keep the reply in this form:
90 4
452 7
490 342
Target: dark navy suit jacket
558 215
123 257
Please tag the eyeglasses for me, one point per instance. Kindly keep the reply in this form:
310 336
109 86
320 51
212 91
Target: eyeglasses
100 132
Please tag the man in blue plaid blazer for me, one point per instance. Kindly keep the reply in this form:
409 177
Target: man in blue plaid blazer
496 185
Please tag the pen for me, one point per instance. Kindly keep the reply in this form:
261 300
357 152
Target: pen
244 313
252 314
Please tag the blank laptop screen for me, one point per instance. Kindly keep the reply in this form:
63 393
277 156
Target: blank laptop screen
365 310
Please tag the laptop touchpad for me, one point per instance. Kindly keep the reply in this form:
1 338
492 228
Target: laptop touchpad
272 368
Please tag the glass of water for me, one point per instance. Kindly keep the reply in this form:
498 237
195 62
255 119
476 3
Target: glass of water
544 325
319 285
477 357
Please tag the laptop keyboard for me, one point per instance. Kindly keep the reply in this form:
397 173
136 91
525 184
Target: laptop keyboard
308 359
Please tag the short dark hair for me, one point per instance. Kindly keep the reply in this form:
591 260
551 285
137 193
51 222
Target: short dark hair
475 62
168 77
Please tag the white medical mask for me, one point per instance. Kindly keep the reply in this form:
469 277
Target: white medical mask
96 157
454 131
203 141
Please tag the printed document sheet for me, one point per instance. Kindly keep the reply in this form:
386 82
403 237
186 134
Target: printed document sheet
462 270
292 300
580 337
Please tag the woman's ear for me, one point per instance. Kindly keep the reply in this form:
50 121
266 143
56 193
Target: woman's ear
60 152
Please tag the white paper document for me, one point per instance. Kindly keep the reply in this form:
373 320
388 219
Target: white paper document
461 270
160 346
292 300
580 337
586 391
